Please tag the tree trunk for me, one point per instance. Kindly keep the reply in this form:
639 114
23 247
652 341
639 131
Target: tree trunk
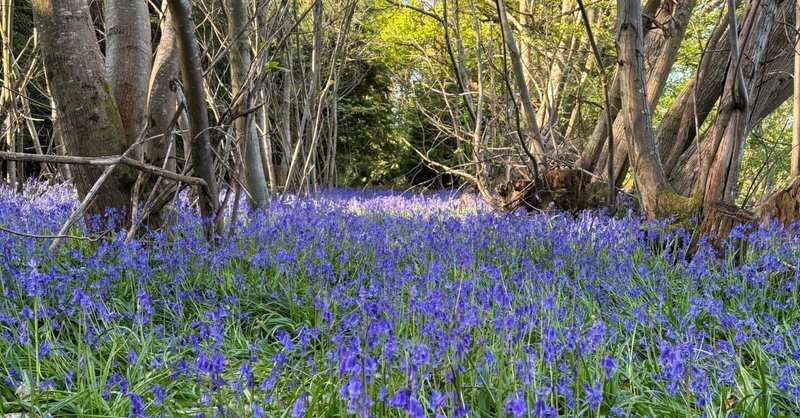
795 155
661 46
534 137
677 131
240 61
657 198
192 75
7 100
128 61
88 116
725 143
782 206
718 223
163 100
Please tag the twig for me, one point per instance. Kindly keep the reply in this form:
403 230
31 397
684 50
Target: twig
103 161
36 236
82 208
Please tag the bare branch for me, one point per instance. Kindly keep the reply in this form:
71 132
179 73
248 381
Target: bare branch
103 161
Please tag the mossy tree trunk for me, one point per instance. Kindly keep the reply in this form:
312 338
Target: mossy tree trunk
89 119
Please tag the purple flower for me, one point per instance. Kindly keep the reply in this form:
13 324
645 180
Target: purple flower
594 395
515 405
415 409
246 371
44 349
400 398
137 407
608 365
258 410
437 400
617 412
299 407
159 393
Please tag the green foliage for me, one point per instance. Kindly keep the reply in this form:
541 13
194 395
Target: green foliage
765 163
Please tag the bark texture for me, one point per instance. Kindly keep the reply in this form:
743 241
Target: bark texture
128 60
192 75
782 206
241 60
723 153
773 86
655 194
795 155
667 26
162 99
88 116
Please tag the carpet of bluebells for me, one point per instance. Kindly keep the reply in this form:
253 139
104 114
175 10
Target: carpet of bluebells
373 304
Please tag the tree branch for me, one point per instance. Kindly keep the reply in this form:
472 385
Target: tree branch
103 161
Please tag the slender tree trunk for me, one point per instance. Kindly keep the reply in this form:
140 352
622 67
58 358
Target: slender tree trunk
7 99
661 46
795 155
88 116
694 103
192 75
534 137
163 100
240 62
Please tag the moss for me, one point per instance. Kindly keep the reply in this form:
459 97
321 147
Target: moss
671 204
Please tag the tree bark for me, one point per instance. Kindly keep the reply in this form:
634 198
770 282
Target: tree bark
192 75
773 87
88 116
723 147
661 44
795 155
128 61
655 194
162 100
240 61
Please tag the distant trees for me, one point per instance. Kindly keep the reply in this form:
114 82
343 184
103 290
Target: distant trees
684 159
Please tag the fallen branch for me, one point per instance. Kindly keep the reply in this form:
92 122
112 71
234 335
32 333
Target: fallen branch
103 161
36 236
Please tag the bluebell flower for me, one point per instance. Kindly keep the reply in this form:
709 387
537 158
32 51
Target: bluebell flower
258 410
437 400
137 407
617 412
515 405
401 398
299 407
159 393
44 349
608 365
594 395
